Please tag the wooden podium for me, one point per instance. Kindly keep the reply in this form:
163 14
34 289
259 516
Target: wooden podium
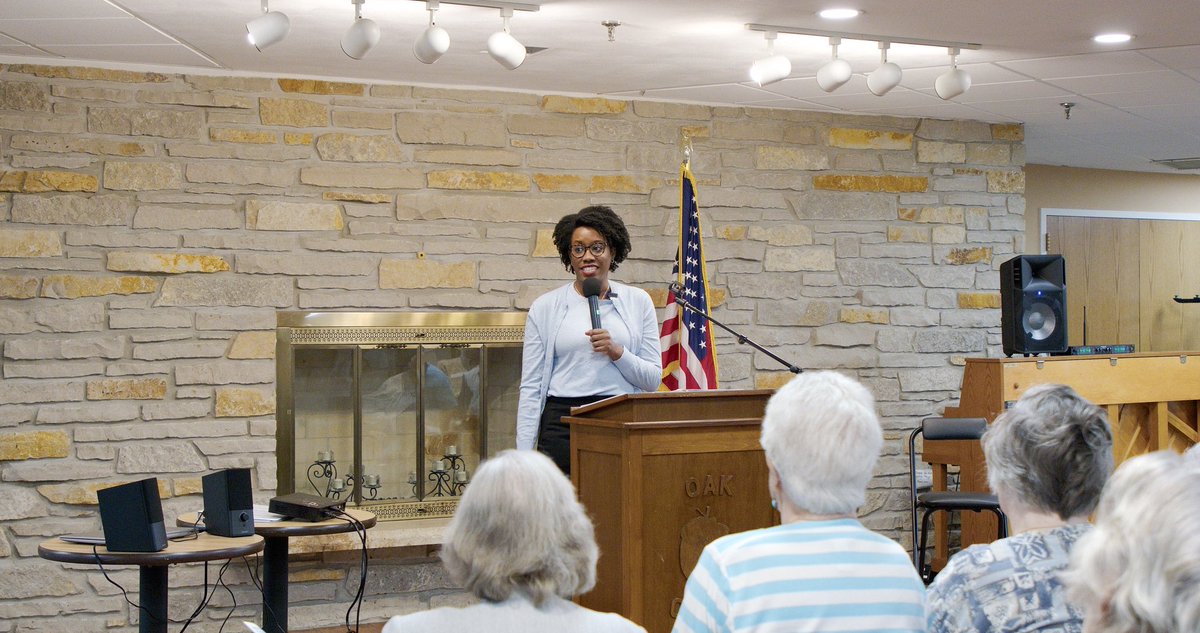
1151 400
662 475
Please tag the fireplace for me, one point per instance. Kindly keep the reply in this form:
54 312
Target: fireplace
393 411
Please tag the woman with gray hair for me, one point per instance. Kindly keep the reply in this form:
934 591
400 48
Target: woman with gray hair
1048 458
523 545
1138 571
820 570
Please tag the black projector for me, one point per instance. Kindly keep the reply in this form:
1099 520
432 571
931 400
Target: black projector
303 507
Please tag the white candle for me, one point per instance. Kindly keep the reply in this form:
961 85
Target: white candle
412 477
460 476
324 456
452 451
337 485
371 480
439 466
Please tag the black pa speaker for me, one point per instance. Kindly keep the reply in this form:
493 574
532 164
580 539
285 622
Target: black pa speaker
132 517
228 503
1033 304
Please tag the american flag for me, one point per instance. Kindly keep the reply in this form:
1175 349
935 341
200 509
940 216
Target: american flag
688 357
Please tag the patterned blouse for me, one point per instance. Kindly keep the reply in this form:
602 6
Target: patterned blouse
1009 586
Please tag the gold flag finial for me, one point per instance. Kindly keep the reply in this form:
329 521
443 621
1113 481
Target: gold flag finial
686 145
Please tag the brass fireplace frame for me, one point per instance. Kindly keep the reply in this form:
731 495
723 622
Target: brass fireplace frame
377 330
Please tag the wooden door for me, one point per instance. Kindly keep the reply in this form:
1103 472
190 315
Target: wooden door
1123 273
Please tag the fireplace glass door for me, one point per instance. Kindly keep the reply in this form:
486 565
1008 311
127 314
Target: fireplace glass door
397 427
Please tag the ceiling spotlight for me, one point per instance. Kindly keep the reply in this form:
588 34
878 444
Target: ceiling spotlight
772 68
267 29
953 82
838 14
362 36
837 72
1112 38
887 76
435 41
503 47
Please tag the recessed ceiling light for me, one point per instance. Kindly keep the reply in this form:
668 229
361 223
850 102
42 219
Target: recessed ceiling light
1112 38
839 14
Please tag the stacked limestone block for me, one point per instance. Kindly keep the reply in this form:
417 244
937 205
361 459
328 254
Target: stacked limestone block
154 223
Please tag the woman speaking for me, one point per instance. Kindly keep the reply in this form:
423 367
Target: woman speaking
585 341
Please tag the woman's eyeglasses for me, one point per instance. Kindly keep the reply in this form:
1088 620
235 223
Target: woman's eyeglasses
597 249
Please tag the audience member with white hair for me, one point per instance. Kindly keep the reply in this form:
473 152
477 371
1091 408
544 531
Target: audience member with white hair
1138 571
1048 458
821 569
523 545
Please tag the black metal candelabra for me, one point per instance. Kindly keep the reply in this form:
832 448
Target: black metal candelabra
448 476
325 468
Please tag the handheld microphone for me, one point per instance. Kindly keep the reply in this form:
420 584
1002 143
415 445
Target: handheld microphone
591 290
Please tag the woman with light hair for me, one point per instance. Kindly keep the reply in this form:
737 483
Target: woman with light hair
1138 571
820 569
1048 458
523 545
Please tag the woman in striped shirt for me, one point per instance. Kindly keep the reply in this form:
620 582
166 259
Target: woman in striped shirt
820 570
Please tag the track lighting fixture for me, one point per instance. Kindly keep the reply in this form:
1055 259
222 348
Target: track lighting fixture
887 76
362 36
771 68
503 47
435 41
272 26
953 82
837 72
267 29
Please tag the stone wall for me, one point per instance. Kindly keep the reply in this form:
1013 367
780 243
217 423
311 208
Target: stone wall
154 223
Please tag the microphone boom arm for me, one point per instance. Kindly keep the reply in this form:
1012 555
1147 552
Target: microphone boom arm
742 340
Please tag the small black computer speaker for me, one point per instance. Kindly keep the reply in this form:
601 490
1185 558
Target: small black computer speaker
132 517
1033 304
228 503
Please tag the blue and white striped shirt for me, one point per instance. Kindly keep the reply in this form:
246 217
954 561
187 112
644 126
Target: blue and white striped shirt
804 576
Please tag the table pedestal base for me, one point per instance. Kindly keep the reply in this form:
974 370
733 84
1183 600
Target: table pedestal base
275 585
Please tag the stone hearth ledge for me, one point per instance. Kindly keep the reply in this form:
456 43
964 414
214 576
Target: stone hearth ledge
414 535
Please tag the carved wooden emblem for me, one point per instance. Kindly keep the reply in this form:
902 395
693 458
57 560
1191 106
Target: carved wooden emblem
696 534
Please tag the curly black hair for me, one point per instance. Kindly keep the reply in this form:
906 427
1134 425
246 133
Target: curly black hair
601 219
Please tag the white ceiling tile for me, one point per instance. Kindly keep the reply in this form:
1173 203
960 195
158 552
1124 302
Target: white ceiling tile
939 110
1183 93
169 54
1170 114
1017 90
57 9
865 101
26 51
1115 62
1178 57
70 31
1162 80
722 93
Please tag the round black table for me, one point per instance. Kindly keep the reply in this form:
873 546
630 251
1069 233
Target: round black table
275 557
152 578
